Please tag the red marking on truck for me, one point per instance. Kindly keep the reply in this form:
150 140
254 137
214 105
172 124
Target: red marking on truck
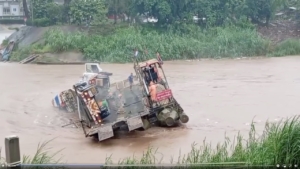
163 95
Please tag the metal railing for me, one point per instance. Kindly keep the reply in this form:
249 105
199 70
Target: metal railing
11 17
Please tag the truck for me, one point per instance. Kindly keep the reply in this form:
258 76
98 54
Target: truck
104 108
93 75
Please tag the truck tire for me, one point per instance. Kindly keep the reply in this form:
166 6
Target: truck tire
146 125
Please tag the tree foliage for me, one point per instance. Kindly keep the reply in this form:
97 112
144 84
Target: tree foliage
87 11
45 12
205 13
209 12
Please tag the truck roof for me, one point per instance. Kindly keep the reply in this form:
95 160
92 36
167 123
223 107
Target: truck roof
151 61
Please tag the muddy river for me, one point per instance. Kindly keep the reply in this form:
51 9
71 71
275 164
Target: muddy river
219 96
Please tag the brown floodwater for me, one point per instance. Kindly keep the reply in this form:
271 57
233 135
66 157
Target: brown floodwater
218 95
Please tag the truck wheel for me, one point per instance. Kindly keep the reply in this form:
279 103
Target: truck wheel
146 125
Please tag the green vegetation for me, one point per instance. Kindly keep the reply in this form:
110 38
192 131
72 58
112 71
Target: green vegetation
216 13
287 47
5 42
41 156
118 47
190 29
279 144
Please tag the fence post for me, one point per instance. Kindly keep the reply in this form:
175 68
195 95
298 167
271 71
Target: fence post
12 152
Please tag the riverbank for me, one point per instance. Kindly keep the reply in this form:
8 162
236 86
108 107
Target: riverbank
117 46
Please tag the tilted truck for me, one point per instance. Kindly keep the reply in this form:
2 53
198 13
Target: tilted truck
104 108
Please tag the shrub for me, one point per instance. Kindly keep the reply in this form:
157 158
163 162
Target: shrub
287 47
12 21
43 22
118 47
5 42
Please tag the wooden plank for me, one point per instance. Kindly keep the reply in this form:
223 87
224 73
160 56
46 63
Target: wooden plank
61 63
28 59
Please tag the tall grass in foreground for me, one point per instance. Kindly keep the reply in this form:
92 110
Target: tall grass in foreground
279 144
118 47
42 155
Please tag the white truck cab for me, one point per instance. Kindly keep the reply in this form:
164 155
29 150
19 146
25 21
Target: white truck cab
95 75
91 70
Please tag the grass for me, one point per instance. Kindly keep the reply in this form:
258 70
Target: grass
23 53
287 47
117 46
279 144
196 44
43 155
4 42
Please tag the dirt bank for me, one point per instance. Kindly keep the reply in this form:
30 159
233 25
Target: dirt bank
61 57
280 30
27 35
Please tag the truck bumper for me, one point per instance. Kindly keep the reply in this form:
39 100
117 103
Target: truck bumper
134 123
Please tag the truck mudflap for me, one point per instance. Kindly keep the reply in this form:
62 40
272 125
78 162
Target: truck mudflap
134 123
105 132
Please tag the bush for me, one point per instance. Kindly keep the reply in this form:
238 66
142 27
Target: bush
118 47
5 42
43 22
287 47
12 21
23 53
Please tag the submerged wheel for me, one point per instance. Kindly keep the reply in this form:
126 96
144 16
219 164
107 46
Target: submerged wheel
146 125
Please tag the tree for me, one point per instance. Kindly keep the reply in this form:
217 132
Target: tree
259 10
40 8
25 8
66 9
118 7
88 11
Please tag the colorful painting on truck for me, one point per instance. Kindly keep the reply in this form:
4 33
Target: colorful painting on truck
96 110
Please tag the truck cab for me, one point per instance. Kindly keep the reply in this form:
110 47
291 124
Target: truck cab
94 75
90 70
